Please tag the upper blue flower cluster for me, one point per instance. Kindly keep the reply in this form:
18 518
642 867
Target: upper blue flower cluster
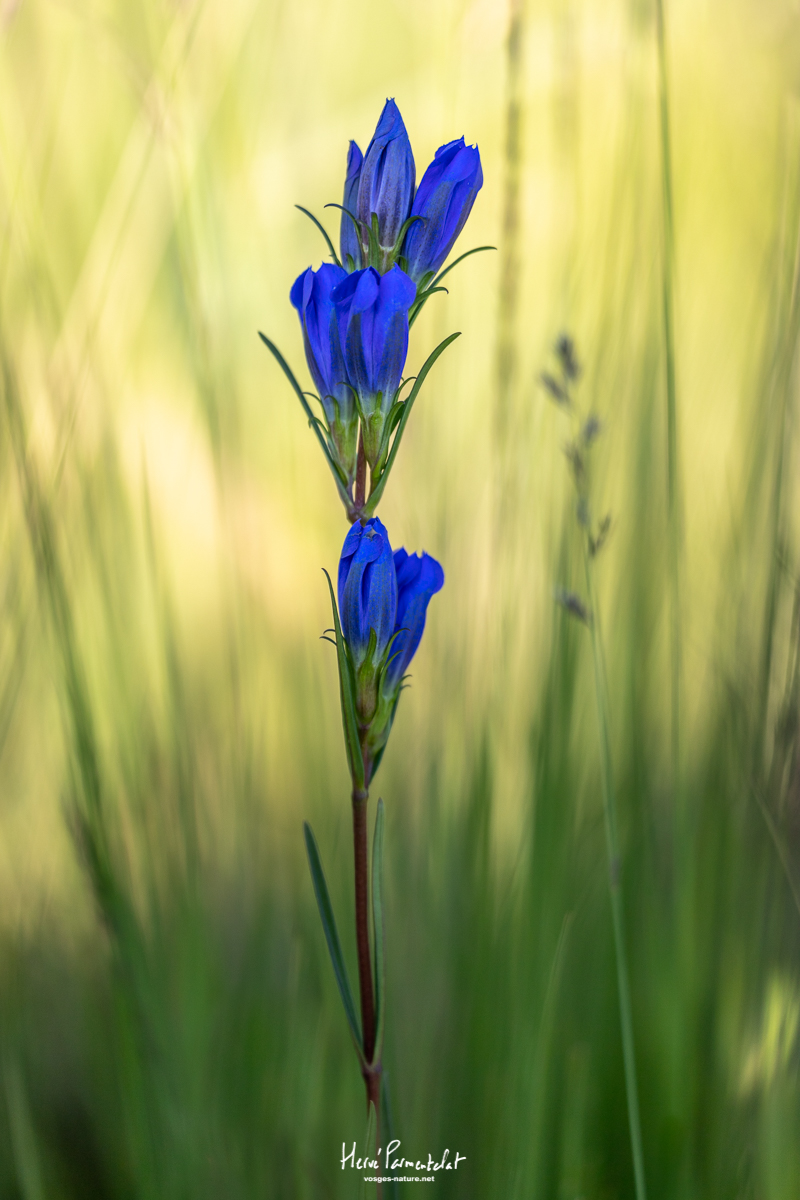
355 316
383 219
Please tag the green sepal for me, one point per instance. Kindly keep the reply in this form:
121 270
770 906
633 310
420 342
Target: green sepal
377 754
395 413
377 491
332 937
375 255
394 255
323 231
347 693
336 470
377 925
368 682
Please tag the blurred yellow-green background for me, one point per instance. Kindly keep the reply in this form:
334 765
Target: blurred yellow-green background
164 515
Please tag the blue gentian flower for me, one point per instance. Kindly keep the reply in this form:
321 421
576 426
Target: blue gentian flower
311 295
367 588
419 576
349 241
372 311
444 200
386 184
383 600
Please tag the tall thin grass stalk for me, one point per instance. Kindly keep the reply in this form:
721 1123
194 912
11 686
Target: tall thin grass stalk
667 292
586 429
510 253
614 882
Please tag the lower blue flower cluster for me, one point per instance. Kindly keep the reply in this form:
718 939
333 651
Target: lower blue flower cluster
383 601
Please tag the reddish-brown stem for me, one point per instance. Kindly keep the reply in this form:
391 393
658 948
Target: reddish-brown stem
372 1071
360 799
361 474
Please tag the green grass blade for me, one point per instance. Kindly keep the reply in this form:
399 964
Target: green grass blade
377 922
332 935
355 759
323 231
377 491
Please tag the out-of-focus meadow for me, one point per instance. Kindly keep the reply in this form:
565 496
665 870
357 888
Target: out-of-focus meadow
169 1023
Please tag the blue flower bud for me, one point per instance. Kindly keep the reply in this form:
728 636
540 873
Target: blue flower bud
419 576
311 295
444 200
348 238
383 599
386 185
373 329
367 588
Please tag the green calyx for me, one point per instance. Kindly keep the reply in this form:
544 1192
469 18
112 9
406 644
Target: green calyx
375 703
344 442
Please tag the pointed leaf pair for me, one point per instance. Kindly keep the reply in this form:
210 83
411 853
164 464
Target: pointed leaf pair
347 695
323 231
332 937
377 491
336 471
433 287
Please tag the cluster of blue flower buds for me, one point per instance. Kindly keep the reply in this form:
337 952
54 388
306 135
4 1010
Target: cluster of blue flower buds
383 599
355 313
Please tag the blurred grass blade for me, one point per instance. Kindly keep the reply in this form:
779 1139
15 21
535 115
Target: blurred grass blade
377 491
23 1138
355 759
323 231
369 1141
341 482
377 923
332 935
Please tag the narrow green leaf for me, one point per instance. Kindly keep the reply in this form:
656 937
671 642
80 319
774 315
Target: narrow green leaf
369 1151
377 491
358 224
461 257
377 925
336 470
387 1130
355 760
323 231
421 301
332 935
